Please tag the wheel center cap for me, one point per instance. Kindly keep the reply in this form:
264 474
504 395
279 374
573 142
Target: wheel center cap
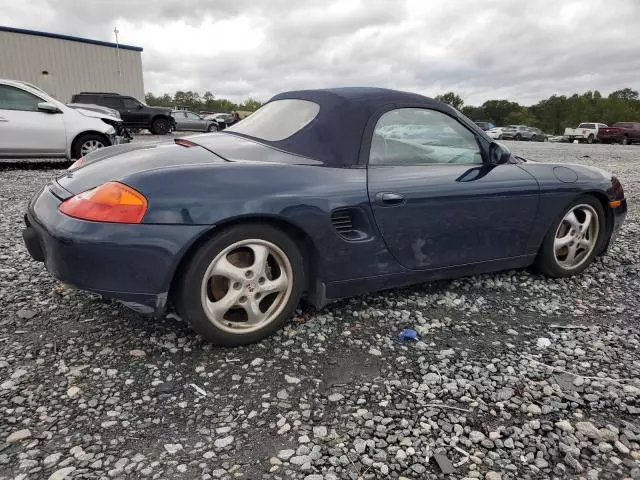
251 287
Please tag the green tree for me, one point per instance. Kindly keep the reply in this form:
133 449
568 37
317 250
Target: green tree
452 99
625 94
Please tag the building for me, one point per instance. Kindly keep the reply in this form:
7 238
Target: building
63 65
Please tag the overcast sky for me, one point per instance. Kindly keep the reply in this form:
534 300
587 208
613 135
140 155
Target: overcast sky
522 51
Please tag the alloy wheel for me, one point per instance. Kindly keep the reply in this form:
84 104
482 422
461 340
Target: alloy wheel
89 146
576 236
246 286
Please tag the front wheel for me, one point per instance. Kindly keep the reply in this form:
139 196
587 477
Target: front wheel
242 285
212 128
87 143
517 138
624 140
160 126
573 240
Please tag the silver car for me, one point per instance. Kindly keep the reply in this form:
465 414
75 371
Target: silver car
190 121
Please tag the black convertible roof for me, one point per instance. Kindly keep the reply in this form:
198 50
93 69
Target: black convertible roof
334 136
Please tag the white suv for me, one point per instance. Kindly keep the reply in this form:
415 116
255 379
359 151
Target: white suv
34 124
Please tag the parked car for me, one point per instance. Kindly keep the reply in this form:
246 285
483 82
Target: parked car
514 132
234 228
495 133
223 120
190 121
624 133
485 125
585 133
535 135
134 113
34 124
121 130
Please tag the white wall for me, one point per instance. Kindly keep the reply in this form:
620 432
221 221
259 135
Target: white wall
72 66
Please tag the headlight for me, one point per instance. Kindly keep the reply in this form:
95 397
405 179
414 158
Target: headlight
111 131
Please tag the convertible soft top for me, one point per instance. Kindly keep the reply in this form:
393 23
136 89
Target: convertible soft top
334 136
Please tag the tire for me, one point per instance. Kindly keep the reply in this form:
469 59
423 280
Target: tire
556 263
546 139
87 143
160 126
624 140
590 139
517 138
212 128
232 254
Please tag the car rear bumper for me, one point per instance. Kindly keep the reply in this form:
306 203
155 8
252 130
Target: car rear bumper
130 263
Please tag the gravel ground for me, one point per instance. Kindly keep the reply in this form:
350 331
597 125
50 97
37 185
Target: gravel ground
515 376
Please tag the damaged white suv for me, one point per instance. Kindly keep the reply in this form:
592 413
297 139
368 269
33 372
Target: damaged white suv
34 124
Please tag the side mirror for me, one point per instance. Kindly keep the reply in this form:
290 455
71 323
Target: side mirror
139 107
498 154
48 108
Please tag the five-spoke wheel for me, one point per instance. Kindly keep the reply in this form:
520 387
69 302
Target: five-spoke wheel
242 285
246 285
576 236
574 240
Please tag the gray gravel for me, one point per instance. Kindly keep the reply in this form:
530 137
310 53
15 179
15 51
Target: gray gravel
515 376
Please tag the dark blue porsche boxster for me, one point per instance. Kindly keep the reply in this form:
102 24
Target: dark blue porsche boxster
322 194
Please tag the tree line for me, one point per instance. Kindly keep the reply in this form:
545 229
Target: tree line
555 113
198 103
552 115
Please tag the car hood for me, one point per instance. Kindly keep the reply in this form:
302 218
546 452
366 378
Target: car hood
93 114
119 162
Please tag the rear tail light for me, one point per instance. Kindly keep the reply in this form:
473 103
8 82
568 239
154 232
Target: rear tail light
183 142
77 164
110 202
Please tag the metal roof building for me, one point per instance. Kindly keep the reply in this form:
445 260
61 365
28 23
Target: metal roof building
63 65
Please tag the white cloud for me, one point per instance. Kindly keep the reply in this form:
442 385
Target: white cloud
243 48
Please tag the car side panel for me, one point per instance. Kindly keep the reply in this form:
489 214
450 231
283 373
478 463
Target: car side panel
303 196
556 195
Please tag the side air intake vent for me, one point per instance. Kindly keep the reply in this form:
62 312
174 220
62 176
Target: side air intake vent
345 222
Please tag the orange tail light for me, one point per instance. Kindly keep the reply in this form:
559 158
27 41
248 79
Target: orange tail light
111 202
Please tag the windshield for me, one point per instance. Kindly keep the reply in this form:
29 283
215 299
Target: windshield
277 120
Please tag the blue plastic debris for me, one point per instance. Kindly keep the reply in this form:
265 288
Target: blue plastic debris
407 334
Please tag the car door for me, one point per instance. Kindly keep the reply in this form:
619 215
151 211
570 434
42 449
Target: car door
25 130
117 104
436 201
134 110
181 120
193 121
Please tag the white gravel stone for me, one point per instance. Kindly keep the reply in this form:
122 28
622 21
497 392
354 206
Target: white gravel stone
172 448
223 442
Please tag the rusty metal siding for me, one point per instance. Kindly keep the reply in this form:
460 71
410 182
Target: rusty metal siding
71 66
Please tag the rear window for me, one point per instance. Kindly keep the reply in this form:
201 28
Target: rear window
277 120
586 125
623 125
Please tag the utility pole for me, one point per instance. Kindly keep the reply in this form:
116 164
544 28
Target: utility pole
116 31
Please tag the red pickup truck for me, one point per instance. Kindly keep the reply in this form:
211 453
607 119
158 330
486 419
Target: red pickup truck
621 132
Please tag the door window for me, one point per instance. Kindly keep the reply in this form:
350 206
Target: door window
130 103
414 136
192 116
12 98
112 102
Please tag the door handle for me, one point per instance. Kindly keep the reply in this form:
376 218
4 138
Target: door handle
389 198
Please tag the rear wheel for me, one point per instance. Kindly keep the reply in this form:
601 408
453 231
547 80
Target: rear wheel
518 137
624 140
212 128
160 126
573 240
241 286
87 143
590 139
